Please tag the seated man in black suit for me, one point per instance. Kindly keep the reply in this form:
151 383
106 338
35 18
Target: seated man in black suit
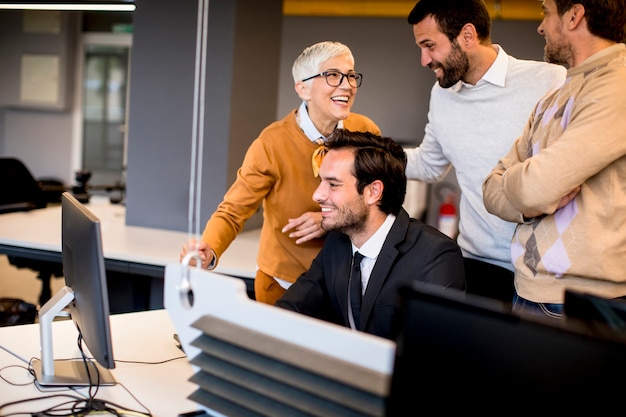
362 189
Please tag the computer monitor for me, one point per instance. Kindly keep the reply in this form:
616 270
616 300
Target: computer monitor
86 297
469 353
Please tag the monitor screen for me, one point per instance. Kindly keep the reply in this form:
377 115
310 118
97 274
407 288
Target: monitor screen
86 297
478 355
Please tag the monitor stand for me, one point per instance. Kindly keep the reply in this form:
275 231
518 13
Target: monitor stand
71 372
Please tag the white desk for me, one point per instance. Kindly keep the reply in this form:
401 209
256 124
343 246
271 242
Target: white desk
137 337
36 235
323 351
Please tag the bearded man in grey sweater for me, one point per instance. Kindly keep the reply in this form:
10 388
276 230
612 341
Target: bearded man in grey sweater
478 107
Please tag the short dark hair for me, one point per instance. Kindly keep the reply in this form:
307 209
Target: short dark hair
452 15
605 18
375 158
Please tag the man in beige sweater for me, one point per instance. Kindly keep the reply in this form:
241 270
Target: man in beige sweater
563 179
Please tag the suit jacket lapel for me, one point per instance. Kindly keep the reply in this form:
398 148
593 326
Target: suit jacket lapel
342 256
386 258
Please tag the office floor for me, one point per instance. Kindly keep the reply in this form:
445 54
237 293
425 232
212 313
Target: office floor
22 283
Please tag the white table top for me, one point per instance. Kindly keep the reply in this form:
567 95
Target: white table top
41 229
142 338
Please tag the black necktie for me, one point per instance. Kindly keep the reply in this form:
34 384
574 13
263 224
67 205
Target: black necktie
355 288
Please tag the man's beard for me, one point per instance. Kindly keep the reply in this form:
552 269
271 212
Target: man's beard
557 50
351 221
557 54
455 66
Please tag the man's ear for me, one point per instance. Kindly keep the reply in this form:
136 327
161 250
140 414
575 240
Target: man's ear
468 36
575 16
374 192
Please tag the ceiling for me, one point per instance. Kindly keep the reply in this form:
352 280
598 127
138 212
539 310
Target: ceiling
499 9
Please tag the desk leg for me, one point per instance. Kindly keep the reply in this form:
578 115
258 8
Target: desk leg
46 290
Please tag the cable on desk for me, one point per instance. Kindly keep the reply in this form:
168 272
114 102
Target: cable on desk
15 384
75 405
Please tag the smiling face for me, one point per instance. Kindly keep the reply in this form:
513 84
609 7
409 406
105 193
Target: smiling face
343 208
327 105
449 62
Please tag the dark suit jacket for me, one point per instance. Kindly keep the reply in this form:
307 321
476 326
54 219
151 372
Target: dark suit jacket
412 253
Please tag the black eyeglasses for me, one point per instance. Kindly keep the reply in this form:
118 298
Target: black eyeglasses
334 78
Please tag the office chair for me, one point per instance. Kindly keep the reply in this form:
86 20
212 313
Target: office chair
19 191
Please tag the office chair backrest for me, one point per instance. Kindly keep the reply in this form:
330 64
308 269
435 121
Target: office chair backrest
19 191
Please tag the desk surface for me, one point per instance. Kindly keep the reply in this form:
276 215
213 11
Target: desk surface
40 230
140 341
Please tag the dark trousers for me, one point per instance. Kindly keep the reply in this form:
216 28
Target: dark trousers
488 280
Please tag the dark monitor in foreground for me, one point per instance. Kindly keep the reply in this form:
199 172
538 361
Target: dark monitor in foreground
86 297
467 353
